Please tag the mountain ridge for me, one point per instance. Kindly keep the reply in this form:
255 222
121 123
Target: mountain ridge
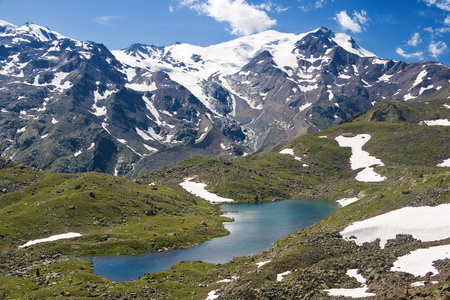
65 102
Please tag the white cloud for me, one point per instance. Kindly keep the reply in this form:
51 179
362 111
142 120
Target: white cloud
106 20
441 4
315 5
354 24
437 48
243 18
269 6
415 40
401 52
447 20
280 9
361 17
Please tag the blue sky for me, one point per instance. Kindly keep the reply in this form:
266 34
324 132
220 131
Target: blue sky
408 30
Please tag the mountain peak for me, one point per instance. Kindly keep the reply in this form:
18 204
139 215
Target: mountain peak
29 31
40 33
349 44
7 25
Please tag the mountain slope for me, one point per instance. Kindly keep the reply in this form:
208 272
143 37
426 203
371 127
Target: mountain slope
71 106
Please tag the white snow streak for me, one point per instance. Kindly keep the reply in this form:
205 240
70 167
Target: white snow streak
52 238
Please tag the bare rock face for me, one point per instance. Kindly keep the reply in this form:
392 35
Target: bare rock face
72 106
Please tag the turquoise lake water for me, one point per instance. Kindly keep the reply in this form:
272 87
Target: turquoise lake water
256 227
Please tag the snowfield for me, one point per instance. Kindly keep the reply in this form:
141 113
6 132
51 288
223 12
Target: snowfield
198 189
361 158
430 224
52 238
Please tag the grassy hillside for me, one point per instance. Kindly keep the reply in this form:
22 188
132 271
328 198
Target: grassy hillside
114 216
324 167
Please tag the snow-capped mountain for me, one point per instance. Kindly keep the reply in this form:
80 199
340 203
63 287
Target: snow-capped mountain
75 106
279 85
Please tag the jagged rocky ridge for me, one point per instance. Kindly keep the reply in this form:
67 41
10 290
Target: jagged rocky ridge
75 106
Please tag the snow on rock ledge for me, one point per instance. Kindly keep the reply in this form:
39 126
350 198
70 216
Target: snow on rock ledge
430 224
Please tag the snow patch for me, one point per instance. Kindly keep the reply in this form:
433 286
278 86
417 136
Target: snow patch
305 106
198 189
419 78
378 61
425 89
142 87
352 293
361 158
420 262
150 148
144 135
440 122
409 97
212 295
418 283
445 163
330 96
153 110
385 78
347 201
52 238
290 152
282 275
262 263
430 224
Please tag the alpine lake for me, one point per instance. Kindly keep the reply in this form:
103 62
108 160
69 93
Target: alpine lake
255 228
